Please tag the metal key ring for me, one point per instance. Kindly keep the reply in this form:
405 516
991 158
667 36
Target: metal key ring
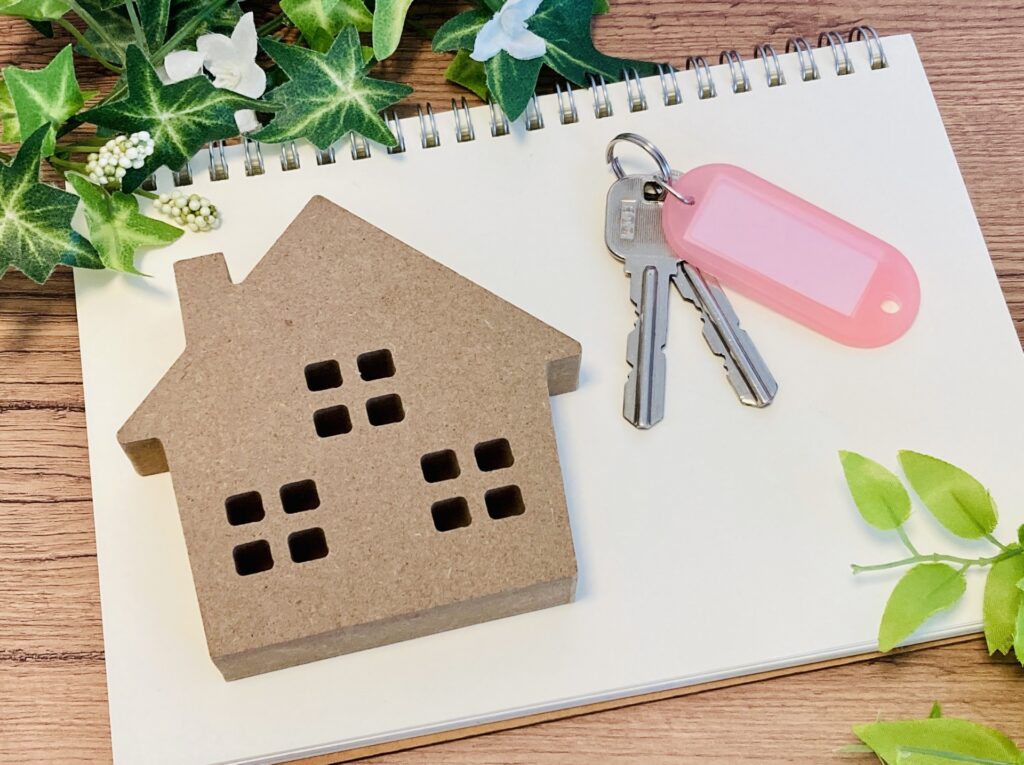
664 168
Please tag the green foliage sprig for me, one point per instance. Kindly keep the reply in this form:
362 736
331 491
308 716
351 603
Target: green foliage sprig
319 88
936 581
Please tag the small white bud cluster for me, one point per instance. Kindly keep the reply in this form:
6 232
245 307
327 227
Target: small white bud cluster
194 212
117 156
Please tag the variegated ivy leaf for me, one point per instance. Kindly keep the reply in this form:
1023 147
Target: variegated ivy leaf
8 116
321 20
328 95
35 218
468 73
116 227
565 27
181 117
35 10
48 96
222 20
388 23
154 15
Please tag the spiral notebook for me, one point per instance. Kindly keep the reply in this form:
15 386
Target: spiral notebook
716 545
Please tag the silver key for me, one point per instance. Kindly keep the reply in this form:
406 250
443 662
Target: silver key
634 235
744 367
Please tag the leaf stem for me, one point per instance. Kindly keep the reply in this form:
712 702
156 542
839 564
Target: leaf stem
76 148
906 541
94 25
146 194
940 558
996 542
87 46
272 25
140 36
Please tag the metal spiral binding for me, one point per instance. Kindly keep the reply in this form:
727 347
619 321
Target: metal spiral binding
567 112
636 96
464 130
737 70
705 82
808 66
876 53
772 68
840 55
433 139
499 120
666 74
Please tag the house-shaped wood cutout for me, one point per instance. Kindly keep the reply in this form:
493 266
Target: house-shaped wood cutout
361 447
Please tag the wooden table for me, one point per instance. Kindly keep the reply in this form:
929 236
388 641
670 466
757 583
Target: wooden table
52 687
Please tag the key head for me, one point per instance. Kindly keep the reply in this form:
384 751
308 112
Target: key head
633 226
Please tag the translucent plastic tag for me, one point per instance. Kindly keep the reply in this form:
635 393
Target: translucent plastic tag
791 256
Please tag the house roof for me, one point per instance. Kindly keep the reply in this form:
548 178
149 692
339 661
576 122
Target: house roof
329 271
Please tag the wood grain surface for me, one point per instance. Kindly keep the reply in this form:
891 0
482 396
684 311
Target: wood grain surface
52 686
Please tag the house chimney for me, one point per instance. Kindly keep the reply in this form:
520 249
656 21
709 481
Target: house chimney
202 286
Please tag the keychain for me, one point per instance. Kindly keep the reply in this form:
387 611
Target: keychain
784 252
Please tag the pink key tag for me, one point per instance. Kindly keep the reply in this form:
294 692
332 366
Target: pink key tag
791 256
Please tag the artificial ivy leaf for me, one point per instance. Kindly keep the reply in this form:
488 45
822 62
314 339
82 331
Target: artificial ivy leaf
34 10
468 73
321 20
35 218
960 503
460 31
45 28
941 740
117 228
154 15
924 591
879 495
600 7
388 23
47 96
116 25
512 81
223 20
8 116
1003 600
181 117
328 95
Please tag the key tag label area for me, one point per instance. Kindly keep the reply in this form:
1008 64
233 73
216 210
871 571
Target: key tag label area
792 256
784 252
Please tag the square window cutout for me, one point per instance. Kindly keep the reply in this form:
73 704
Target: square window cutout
440 466
244 508
504 502
494 455
385 410
307 545
332 421
323 375
451 514
253 557
299 497
376 365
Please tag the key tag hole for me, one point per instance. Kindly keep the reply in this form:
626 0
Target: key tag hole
891 306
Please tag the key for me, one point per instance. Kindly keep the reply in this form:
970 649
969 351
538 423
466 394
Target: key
745 369
634 235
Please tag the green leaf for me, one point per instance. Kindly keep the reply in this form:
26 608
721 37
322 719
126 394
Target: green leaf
321 20
35 218
879 495
48 96
34 10
388 23
155 16
181 117
1020 535
460 31
924 591
222 21
1018 641
1003 602
960 503
328 95
512 81
116 227
468 73
936 738
117 27
936 712
600 7
8 116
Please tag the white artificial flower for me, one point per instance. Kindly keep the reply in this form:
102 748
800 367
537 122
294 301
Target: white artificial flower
117 156
194 212
506 31
231 61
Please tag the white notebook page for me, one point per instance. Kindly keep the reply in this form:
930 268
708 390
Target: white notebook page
716 544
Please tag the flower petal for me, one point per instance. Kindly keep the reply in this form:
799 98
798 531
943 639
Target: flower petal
246 121
526 46
519 11
253 82
182 64
215 47
244 37
489 41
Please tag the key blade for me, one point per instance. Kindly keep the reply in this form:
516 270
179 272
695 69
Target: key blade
643 400
745 368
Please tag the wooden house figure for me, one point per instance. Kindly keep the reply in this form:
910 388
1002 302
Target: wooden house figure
361 447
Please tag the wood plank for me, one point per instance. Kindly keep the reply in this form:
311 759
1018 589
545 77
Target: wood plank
52 688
